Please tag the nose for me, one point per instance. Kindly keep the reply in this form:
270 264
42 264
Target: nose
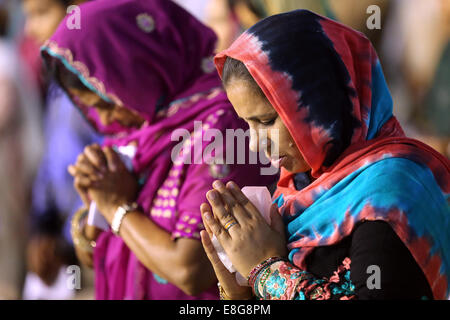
259 139
254 140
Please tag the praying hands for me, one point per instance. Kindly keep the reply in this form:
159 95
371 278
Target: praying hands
243 233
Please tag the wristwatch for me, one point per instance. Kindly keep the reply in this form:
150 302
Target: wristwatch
120 214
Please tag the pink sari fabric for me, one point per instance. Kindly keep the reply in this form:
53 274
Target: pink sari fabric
155 59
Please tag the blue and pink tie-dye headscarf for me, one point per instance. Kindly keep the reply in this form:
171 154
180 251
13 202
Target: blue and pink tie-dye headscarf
325 81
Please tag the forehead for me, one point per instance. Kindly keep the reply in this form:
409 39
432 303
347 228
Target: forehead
246 101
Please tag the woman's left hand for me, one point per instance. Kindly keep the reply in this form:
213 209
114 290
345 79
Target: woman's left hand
115 185
251 240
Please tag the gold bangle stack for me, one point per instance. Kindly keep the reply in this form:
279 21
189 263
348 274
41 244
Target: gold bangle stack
79 239
222 293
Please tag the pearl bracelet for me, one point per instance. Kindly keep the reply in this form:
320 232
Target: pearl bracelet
120 214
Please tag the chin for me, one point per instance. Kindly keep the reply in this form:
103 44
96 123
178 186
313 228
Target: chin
289 167
296 168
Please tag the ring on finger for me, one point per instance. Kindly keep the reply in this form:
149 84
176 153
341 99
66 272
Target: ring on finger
230 223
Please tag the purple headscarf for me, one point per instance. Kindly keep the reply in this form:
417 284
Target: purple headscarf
153 58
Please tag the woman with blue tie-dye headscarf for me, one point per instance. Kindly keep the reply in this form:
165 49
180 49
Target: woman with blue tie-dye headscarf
364 209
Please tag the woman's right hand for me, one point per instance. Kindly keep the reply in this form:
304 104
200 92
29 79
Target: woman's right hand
86 170
227 280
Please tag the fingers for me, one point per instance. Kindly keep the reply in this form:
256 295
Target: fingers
212 253
83 182
222 273
226 220
204 208
231 203
96 156
227 279
217 206
243 200
72 170
84 166
214 226
113 160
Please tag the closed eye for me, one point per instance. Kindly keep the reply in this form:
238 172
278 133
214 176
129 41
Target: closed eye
270 122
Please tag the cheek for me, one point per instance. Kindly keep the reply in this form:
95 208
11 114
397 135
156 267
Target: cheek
119 117
288 147
299 164
126 118
279 139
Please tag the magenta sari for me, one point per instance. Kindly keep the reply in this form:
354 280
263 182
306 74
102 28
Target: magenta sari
155 59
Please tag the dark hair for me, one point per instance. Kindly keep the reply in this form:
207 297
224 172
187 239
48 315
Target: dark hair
66 79
236 69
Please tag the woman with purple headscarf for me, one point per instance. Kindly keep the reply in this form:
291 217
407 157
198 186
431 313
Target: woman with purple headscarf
138 71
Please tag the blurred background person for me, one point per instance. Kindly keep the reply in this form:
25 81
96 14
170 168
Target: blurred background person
229 18
50 247
354 14
417 54
195 7
20 147
219 17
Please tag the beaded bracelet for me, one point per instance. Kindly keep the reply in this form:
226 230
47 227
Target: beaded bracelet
261 279
251 279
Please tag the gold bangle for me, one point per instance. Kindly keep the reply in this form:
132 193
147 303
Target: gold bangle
222 293
79 239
